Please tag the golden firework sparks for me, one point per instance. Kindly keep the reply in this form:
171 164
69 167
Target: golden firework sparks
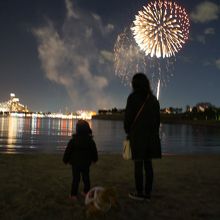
161 28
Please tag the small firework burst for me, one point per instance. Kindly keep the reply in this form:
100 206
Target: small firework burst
161 28
129 59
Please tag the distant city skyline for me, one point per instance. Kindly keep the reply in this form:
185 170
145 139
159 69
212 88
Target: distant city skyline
14 105
58 55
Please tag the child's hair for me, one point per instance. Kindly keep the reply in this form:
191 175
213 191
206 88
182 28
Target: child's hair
83 128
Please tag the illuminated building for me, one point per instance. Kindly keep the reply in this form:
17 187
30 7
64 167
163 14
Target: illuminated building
14 108
13 105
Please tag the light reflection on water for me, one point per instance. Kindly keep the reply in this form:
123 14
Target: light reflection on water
47 135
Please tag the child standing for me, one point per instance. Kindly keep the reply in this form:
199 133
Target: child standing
80 153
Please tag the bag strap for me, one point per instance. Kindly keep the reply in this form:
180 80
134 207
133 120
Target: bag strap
139 112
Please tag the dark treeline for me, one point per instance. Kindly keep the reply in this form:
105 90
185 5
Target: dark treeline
201 111
111 111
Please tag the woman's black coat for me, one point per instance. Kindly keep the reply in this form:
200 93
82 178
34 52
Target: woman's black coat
144 134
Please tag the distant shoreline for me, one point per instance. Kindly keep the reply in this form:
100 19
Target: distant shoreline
167 119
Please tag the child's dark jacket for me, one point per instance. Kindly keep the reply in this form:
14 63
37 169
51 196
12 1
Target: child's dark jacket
81 150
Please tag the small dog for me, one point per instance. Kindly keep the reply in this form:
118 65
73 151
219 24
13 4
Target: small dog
100 200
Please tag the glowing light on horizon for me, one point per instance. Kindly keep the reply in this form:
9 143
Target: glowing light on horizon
13 108
161 28
81 114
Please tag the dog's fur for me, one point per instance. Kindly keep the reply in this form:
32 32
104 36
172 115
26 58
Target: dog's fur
106 200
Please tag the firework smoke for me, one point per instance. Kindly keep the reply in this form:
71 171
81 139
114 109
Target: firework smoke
71 57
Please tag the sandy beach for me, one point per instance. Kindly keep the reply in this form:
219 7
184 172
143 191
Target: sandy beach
36 186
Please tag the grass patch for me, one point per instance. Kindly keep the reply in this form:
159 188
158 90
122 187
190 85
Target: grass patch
37 187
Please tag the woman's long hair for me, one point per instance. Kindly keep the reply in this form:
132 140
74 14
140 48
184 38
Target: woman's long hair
140 82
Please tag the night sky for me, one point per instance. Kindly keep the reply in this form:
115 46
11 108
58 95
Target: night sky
58 55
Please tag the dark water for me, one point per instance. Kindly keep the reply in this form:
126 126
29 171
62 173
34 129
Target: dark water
35 135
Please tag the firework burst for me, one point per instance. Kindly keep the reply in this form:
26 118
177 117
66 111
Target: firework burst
161 28
129 59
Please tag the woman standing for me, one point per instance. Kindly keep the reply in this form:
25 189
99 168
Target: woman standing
141 124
